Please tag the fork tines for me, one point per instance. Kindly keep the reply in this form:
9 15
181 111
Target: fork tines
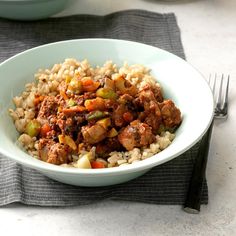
220 88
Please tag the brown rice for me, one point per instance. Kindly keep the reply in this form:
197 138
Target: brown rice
47 82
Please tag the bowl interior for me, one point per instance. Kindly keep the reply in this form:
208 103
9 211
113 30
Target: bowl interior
180 81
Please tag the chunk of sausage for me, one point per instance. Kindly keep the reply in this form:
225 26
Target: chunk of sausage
52 152
117 115
171 115
137 134
94 134
157 93
58 154
125 106
108 145
152 113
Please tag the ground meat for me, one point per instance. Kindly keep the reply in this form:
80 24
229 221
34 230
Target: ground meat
153 116
79 100
117 115
52 152
125 104
108 145
70 126
62 86
125 98
157 93
89 95
48 106
137 134
170 114
61 123
58 154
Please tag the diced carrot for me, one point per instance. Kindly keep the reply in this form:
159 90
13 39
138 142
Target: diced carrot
70 110
63 94
89 85
45 129
87 81
97 164
38 99
128 116
95 104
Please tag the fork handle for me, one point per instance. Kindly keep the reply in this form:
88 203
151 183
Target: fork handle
193 201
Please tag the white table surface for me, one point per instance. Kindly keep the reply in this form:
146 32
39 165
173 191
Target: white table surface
209 37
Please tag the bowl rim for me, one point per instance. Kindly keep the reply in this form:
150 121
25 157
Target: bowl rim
22 1
134 167
25 2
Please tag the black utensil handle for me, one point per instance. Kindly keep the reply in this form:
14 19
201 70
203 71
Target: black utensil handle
193 200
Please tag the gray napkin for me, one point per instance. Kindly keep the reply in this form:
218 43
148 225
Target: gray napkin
165 184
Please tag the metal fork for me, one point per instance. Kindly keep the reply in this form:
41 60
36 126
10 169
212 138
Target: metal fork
193 201
221 97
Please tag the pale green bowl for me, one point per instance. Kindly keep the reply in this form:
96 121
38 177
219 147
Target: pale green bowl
180 81
30 9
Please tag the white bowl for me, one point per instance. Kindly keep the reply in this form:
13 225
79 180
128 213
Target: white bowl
180 81
30 9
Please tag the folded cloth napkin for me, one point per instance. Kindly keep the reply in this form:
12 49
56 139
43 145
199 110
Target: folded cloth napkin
164 184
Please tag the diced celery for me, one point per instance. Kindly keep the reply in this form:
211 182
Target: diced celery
33 128
95 115
106 93
71 102
105 123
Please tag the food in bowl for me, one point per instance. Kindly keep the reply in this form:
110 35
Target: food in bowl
30 9
76 115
